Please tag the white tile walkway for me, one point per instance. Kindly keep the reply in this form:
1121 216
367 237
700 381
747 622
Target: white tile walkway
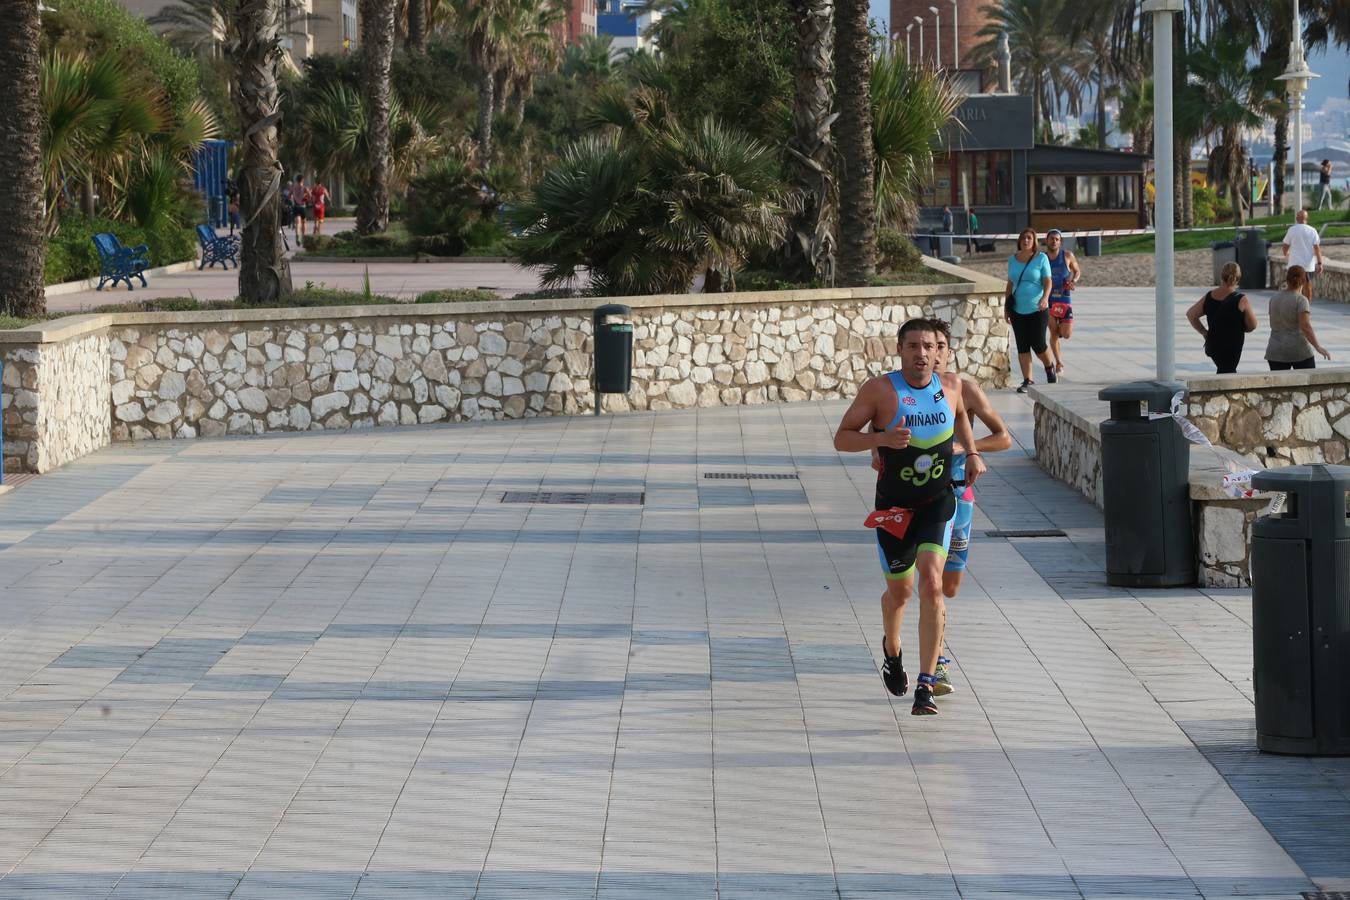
337 666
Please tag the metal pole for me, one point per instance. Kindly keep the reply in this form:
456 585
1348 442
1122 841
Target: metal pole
909 52
1297 97
956 40
937 37
918 21
1270 190
1164 323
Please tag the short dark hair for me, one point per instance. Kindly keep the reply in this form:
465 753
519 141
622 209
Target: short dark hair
936 326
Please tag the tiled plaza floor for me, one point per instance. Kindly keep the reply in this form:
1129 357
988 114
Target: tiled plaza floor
337 665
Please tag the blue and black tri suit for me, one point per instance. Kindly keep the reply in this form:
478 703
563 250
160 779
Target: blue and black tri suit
918 477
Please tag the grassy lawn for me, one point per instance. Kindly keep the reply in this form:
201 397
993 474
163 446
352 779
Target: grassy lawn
396 241
1275 227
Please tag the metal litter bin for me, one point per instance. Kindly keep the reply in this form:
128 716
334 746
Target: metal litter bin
1221 254
1301 613
1146 489
944 245
1092 244
613 369
1252 251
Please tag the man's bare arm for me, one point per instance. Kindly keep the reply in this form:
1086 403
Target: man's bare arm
977 402
965 435
850 436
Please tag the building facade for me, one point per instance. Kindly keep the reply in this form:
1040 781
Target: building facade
312 26
627 22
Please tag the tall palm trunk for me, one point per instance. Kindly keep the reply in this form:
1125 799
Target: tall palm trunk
417 26
487 83
810 152
857 189
21 233
1281 156
377 51
1235 175
264 275
1101 107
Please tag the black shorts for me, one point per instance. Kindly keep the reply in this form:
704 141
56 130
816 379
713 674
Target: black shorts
930 530
1029 331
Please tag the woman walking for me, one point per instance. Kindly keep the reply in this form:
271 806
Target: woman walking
1065 273
1292 339
1028 299
1229 318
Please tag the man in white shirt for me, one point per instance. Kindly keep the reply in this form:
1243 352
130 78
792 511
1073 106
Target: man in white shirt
1303 247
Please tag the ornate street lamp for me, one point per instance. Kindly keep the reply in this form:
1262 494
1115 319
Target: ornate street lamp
918 21
909 54
1296 77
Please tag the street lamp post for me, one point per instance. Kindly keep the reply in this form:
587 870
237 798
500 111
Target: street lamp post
909 54
895 41
918 21
937 37
1164 314
956 40
1296 77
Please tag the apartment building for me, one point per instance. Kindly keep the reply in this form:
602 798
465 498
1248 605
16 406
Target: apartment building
312 26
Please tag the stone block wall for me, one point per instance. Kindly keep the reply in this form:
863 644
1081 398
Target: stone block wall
54 401
1069 447
1332 283
1275 419
180 375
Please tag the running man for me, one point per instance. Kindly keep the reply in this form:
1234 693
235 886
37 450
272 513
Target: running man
914 415
1064 277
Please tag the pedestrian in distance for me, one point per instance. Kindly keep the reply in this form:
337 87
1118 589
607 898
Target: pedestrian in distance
912 418
1027 304
232 204
1229 318
298 195
948 222
1065 273
1324 185
1303 248
1292 339
318 196
972 229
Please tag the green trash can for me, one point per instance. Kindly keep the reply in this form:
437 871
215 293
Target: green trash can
613 369
1301 612
1146 488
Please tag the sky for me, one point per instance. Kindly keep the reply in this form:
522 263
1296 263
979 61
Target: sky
1333 65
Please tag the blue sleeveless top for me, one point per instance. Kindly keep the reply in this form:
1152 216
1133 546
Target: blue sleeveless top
1059 273
923 470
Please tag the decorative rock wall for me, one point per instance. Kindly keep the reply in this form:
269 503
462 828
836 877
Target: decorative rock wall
54 402
179 375
1332 283
1275 419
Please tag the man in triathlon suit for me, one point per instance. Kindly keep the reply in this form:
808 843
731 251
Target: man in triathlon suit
914 415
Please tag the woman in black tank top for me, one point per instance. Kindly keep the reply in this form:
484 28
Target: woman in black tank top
1228 318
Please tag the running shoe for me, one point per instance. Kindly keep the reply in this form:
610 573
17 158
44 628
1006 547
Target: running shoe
923 702
1050 376
1026 383
893 671
943 686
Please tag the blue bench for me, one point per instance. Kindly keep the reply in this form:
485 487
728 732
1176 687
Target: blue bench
117 263
216 249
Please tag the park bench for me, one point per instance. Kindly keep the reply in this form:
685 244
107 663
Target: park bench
117 263
216 249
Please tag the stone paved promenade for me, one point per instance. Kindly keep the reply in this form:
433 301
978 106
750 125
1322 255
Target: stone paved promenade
338 665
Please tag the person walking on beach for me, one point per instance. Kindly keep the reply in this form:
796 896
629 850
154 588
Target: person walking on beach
1324 185
1292 339
1303 248
1229 318
1027 305
1065 273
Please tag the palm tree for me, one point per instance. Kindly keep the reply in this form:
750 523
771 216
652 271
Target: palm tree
810 151
333 134
1136 113
911 106
590 58
377 51
486 26
530 52
1093 30
1234 97
857 212
1043 57
417 15
21 231
197 27
255 30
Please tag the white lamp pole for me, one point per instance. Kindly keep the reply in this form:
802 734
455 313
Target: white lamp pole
918 21
909 53
1165 314
1296 77
895 42
956 40
937 37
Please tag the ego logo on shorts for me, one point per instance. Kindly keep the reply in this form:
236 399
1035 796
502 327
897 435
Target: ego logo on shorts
925 468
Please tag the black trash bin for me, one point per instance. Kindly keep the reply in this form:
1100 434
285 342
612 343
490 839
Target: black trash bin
1301 613
1146 489
1252 251
613 352
944 244
1221 254
1092 245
